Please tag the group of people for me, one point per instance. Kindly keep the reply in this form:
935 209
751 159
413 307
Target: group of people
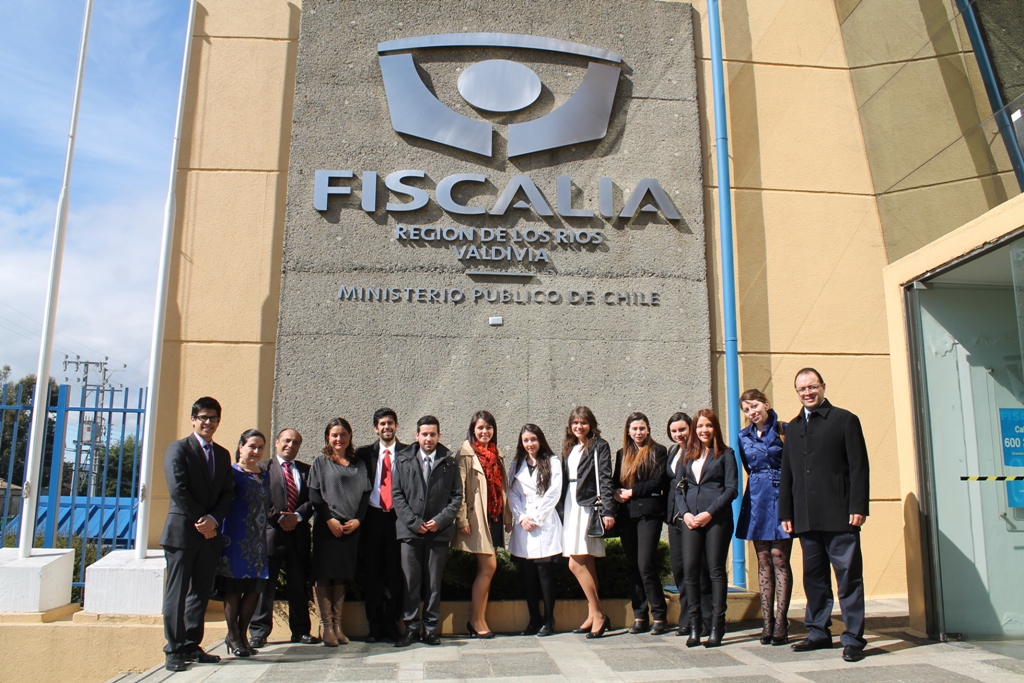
388 513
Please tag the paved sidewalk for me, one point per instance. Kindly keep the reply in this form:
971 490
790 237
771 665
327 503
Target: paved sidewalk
892 655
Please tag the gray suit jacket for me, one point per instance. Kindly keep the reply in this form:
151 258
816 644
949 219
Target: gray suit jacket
418 501
194 494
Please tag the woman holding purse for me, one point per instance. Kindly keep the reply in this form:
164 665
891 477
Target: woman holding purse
589 509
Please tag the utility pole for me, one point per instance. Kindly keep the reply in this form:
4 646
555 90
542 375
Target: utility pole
91 432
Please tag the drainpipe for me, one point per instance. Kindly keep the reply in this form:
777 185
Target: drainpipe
160 311
732 371
995 98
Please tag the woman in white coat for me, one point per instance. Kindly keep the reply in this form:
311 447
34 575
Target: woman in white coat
536 541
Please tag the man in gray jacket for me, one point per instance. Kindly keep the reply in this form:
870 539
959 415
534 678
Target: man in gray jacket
427 495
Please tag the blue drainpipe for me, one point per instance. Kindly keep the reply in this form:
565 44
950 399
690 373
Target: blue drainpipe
995 99
732 370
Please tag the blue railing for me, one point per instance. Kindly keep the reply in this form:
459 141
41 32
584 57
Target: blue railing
89 483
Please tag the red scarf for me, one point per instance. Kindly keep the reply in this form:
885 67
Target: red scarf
489 460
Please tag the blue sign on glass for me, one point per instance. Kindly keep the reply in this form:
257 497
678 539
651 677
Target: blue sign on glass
1011 422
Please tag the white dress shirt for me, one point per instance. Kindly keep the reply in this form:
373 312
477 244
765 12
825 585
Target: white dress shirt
375 491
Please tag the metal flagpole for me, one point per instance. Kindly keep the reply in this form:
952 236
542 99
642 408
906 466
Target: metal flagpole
162 284
30 491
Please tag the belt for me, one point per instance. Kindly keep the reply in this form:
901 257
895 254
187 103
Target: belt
573 481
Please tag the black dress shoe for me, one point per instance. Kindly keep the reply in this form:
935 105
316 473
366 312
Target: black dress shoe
198 655
852 653
372 638
530 630
659 627
305 639
408 639
260 641
599 633
175 662
693 634
431 638
546 630
806 645
639 626
581 629
473 633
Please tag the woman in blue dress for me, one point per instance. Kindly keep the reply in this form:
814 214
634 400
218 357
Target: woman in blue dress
761 453
243 568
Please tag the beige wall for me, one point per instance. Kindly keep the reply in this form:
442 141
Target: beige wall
828 146
221 320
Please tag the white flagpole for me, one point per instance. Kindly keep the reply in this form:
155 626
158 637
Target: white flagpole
163 282
30 492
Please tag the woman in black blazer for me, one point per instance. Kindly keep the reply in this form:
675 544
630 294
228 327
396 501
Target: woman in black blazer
586 491
641 487
703 499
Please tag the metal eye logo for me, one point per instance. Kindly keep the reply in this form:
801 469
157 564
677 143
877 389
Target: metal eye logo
498 85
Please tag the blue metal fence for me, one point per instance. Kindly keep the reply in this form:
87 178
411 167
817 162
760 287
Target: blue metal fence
89 483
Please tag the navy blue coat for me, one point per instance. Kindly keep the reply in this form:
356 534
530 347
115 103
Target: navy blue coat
762 459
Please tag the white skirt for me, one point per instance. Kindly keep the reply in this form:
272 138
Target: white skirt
575 540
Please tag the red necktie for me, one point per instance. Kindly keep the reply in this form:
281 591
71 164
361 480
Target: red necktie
292 489
385 481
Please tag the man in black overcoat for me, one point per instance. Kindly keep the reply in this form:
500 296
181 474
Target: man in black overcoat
823 499
288 542
201 487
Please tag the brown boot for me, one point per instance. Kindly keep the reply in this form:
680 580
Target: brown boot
337 603
326 610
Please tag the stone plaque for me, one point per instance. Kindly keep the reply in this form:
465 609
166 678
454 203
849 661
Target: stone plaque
493 206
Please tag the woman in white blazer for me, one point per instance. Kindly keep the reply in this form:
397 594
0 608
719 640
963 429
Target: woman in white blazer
536 541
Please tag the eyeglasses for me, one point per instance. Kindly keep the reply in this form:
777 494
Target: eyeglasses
212 419
809 389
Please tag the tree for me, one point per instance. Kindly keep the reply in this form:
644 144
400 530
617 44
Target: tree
17 423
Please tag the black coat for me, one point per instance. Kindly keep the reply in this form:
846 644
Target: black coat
277 542
587 481
370 455
718 487
825 475
673 481
193 493
649 494
417 501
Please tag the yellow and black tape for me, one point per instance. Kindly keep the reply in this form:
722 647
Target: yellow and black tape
991 478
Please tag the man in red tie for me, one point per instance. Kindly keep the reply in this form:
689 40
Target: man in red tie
379 548
287 541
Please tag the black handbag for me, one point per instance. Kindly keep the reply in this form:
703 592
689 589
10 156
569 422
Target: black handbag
595 525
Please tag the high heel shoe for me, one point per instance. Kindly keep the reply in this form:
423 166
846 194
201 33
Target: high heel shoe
694 637
780 636
717 632
582 628
600 632
766 632
473 633
236 651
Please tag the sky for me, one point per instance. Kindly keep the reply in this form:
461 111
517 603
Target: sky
118 184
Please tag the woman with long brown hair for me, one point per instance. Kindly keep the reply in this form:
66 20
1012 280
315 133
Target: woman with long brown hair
339 489
484 516
586 492
640 485
703 499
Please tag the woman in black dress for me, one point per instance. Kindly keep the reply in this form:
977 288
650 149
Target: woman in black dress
339 489
640 485
705 500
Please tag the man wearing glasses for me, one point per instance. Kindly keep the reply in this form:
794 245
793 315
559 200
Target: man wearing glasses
200 485
823 499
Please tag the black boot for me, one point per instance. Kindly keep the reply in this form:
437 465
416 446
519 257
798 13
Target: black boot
717 632
694 639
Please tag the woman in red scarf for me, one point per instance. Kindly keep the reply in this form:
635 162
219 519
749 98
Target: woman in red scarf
484 517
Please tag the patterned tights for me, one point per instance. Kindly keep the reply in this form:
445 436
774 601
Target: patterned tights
775 577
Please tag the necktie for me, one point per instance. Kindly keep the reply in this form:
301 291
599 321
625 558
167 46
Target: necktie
292 491
426 468
208 449
385 481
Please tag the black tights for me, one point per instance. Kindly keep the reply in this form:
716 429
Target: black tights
238 611
775 577
539 579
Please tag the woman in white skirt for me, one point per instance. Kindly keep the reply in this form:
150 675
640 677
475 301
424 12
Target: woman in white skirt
536 541
587 489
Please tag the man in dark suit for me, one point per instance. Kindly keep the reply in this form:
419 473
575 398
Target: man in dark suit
201 487
427 496
379 552
287 541
823 499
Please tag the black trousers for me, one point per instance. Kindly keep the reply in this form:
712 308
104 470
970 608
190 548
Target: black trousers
188 587
640 537
675 553
295 562
381 563
540 581
423 565
710 543
842 551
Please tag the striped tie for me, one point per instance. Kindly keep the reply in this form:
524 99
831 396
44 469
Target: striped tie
289 484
